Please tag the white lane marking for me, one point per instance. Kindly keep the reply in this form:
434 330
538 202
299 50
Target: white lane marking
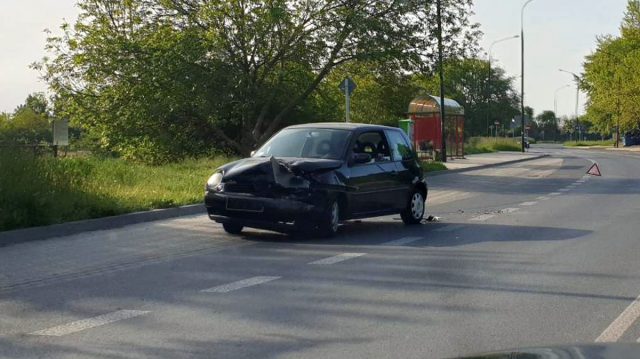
336 259
483 217
510 210
89 323
532 203
226 288
621 324
542 198
449 228
564 189
555 194
402 241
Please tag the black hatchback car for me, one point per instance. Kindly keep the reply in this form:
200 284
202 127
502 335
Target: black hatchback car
310 177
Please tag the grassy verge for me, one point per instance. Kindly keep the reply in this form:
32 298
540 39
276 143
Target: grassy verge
432 166
490 144
42 190
605 143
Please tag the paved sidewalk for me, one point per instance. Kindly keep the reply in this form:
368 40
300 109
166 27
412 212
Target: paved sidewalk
490 159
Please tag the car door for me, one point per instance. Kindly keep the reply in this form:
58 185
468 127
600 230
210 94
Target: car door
374 180
405 165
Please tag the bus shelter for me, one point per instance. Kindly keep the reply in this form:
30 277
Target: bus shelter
426 134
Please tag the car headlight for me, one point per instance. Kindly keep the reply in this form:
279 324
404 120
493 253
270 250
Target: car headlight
214 180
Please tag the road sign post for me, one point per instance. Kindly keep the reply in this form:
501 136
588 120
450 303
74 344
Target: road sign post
347 86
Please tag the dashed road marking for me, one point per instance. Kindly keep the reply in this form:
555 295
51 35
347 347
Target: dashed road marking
336 259
449 228
483 217
526 204
510 210
616 329
249 282
542 198
89 323
564 189
402 241
555 194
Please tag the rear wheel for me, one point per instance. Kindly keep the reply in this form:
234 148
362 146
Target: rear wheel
328 225
232 228
414 211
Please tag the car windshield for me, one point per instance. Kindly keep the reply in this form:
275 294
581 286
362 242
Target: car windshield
306 143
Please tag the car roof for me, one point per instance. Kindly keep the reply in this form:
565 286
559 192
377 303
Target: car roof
344 126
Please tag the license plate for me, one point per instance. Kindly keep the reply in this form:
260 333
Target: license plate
244 205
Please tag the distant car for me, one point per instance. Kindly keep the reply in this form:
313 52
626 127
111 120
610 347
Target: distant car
310 177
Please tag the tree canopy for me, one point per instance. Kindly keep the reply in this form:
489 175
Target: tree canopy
612 77
158 79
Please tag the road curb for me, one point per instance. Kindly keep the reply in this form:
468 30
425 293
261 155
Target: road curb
459 170
65 229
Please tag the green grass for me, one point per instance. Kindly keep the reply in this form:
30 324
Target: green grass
432 166
606 143
43 190
490 144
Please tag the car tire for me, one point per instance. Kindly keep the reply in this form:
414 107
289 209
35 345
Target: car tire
328 225
414 211
232 228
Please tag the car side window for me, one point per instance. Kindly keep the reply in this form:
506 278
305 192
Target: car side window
400 149
374 144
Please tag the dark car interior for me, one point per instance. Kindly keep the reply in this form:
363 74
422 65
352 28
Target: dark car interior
373 144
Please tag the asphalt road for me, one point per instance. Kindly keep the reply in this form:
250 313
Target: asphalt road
529 254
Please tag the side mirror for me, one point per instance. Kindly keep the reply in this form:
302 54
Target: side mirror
361 158
252 153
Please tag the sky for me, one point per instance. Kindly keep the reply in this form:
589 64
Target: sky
558 34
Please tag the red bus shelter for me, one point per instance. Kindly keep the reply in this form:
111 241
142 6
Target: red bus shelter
424 111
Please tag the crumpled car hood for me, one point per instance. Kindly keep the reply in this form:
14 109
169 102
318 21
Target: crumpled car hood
298 166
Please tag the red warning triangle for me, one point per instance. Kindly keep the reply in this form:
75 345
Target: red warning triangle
594 170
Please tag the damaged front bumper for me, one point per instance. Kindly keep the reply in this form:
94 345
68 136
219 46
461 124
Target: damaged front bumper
279 214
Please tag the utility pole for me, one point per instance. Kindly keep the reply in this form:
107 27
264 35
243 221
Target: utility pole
443 148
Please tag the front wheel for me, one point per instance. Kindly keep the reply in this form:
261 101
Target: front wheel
328 226
414 211
232 228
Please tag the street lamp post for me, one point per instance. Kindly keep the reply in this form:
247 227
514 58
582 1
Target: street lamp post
489 88
577 78
522 69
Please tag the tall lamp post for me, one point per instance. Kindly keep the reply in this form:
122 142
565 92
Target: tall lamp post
577 78
489 88
522 69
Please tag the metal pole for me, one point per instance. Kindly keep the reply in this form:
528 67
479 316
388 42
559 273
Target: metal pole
489 87
577 100
440 61
348 103
522 69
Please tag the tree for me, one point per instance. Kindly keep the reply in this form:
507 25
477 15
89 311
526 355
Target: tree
28 124
547 123
612 77
169 78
